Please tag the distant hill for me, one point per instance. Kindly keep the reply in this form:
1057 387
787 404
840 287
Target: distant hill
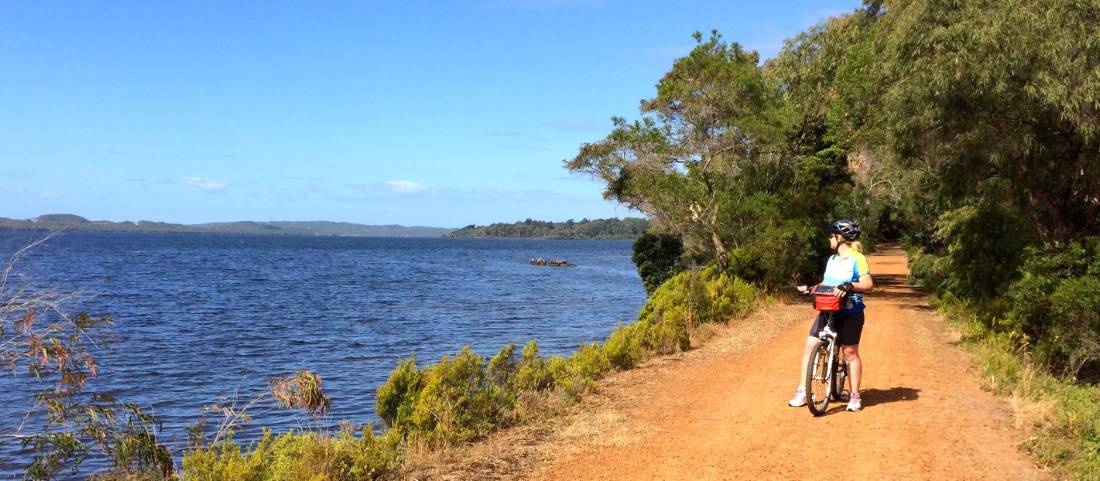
628 228
73 222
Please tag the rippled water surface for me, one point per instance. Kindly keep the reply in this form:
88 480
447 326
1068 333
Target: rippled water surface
199 317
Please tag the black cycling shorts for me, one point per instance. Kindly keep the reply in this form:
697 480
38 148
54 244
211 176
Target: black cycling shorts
848 325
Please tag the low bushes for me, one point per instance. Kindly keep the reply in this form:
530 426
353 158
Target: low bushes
1061 417
464 397
1036 341
1056 304
296 456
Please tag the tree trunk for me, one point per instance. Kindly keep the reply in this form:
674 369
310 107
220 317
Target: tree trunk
719 249
719 246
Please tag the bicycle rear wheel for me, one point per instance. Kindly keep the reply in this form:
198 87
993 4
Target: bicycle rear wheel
818 379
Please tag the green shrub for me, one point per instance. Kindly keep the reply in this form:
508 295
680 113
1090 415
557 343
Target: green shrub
1075 313
1067 427
928 270
533 373
502 367
783 255
297 456
396 398
457 402
1056 304
565 382
225 462
589 361
985 243
670 334
458 399
729 297
675 309
624 346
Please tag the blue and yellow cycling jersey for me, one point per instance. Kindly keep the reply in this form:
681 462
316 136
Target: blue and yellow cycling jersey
847 269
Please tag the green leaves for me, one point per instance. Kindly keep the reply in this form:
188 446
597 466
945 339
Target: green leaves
711 160
1006 89
657 257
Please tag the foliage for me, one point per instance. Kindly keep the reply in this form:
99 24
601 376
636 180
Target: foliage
627 228
1061 418
984 242
296 456
533 372
1056 304
465 397
405 382
726 158
702 130
39 342
657 257
302 390
977 90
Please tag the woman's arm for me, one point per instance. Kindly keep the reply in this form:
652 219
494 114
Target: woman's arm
864 284
807 289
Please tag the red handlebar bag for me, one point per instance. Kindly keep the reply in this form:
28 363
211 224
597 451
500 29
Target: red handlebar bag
827 302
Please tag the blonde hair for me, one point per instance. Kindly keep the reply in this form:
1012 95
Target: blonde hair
856 246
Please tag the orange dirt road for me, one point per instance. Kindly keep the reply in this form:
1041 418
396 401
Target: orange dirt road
721 413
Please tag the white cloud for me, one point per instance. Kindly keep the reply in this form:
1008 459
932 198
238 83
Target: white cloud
403 186
48 195
204 184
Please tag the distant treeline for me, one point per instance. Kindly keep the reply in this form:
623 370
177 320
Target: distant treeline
604 229
72 222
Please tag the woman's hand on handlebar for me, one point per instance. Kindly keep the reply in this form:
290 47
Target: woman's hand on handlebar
843 289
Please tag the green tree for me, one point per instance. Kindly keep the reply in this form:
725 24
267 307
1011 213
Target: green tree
657 257
707 129
996 89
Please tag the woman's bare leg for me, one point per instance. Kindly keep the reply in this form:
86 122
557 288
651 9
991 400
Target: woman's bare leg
809 349
855 365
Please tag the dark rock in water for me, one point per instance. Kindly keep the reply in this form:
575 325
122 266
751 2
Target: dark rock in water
539 261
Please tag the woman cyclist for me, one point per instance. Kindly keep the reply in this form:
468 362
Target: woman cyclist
848 272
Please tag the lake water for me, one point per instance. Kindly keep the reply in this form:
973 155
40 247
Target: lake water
201 317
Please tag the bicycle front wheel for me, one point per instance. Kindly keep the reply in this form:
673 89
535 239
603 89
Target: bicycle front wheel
818 379
840 376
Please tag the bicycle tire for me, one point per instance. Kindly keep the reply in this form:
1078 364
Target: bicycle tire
818 379
840 376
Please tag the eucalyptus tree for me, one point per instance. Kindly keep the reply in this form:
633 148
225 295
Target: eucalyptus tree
702 146
1000 89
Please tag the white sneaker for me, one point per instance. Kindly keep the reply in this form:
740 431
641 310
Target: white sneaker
799 398
855 403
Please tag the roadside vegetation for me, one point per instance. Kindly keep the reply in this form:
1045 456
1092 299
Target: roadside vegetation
966 130
465 397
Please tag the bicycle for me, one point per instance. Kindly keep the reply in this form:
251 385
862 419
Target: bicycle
827 371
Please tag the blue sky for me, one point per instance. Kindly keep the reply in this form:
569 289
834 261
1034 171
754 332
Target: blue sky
441 113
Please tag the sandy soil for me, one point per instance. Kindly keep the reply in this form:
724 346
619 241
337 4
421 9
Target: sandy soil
719 412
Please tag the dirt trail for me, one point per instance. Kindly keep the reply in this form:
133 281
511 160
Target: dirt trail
720 412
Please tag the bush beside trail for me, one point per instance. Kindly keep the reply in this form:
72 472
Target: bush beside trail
1037 342
1060 416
